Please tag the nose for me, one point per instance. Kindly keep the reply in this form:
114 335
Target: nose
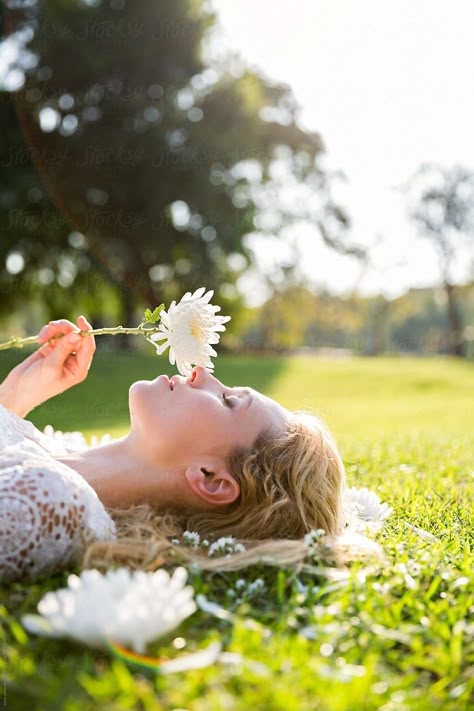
197 375
200 376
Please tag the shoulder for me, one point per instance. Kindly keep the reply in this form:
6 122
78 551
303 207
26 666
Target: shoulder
15 429
26 471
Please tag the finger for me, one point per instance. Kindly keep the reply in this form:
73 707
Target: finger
84 325
87 347
63 350
55 328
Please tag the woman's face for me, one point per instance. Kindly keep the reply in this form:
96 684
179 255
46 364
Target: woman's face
179 419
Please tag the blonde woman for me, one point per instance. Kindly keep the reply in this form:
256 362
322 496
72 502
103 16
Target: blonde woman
199 456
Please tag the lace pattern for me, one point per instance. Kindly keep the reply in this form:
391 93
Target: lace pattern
48 512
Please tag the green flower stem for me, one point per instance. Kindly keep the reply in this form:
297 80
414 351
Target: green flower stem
15 342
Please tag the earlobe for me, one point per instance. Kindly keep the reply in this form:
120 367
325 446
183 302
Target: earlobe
213 484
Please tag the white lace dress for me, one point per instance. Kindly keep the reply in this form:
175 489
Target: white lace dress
48 512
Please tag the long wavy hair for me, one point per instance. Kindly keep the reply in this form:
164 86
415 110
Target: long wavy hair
290 484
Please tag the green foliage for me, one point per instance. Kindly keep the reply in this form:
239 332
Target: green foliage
442 209
153 316
151 127
395 638
415 322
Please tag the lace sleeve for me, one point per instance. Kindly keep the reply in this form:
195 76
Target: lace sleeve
48 514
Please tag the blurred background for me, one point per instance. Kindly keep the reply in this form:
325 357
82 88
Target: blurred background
313 163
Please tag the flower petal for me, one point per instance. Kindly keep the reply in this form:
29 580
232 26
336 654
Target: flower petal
161 349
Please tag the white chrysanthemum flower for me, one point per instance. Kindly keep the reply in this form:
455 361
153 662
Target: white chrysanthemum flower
188 329
126 608
364 509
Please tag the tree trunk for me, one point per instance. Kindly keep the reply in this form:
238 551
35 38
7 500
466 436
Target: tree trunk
378 336
456 343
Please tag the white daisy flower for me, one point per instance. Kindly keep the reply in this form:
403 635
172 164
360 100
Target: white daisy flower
364 509
126 608
188 329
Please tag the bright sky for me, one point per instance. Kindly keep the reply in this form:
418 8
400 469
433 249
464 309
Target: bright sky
388 84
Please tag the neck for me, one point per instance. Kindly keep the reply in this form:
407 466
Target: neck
121 477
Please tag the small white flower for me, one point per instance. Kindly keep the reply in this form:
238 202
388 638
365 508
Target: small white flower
127 608
188 329
314 536
256 587
364 509
226 545
191 538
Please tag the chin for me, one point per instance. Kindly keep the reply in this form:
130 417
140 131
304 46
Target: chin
145 404
139 387
135 397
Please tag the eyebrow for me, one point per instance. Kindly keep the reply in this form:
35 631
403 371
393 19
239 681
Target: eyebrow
248 398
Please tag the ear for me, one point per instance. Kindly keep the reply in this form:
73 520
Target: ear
212 482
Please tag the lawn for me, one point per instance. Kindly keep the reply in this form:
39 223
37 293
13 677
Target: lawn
398 639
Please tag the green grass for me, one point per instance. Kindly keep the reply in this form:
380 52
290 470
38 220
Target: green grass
399 639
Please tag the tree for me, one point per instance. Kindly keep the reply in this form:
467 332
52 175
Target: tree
443 209
41 258
163 158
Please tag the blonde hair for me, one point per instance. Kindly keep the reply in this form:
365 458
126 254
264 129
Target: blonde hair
290 484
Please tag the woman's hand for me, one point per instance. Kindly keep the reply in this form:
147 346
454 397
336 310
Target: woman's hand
50 370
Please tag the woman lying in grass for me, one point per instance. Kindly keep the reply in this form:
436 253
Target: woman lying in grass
199 456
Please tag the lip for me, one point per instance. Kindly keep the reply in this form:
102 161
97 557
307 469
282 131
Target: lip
174 380
164 377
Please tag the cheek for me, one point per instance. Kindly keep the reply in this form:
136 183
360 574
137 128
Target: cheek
174 417
194 415
198 419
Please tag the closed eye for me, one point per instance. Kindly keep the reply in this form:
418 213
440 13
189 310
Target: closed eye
235 400
227 400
